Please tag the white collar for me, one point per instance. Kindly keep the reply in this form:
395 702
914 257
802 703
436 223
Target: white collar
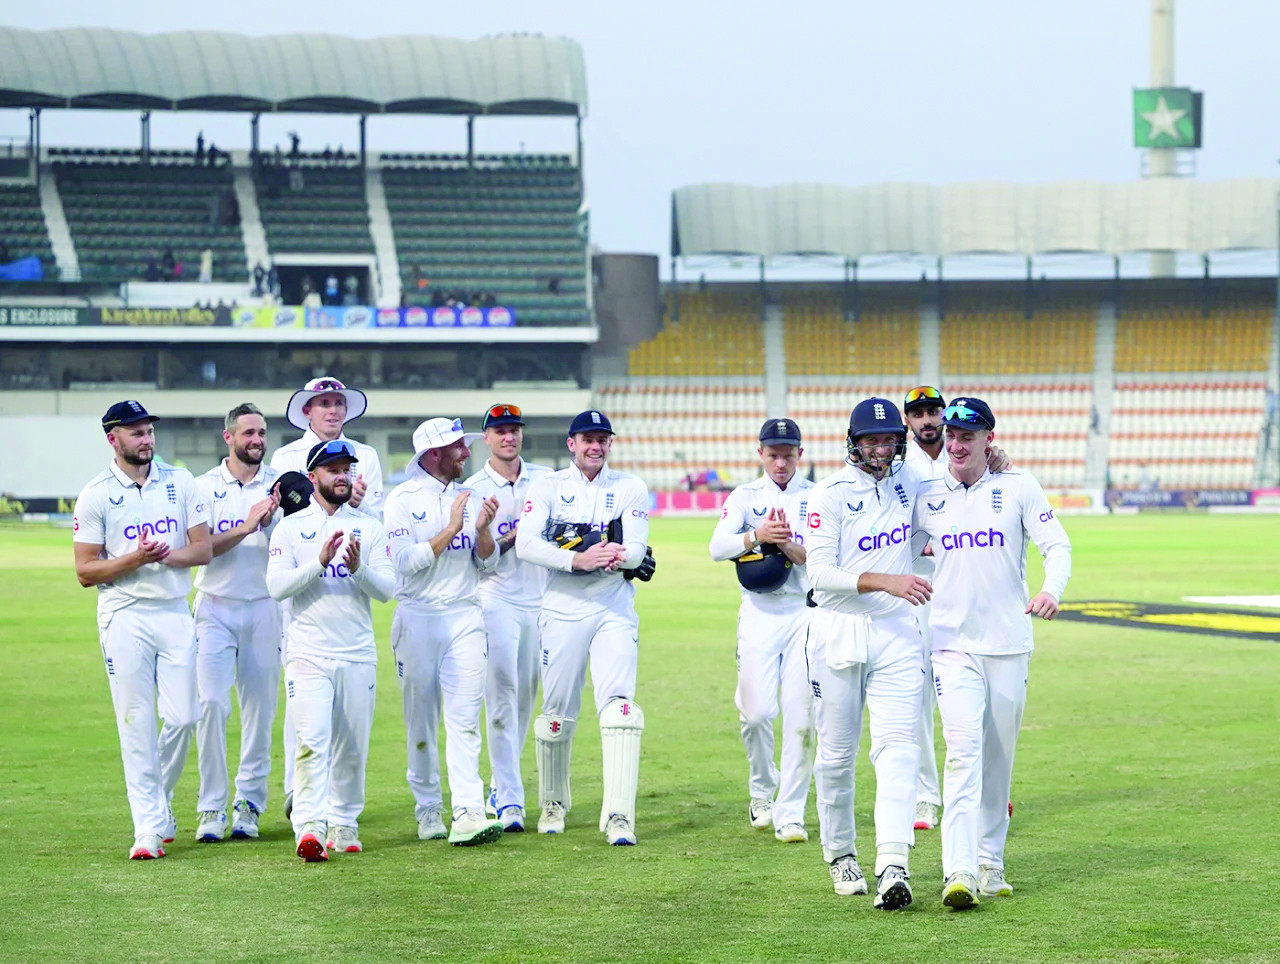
577 473
258 476
953 483
124 480
499 479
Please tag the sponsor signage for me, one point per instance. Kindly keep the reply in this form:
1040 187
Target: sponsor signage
1202 620
277 316
162 317
1177 498
1269 498
41 315
415 316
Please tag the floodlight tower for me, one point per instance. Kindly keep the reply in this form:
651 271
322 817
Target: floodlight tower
1162 161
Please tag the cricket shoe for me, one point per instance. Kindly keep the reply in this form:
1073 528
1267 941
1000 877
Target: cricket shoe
491 803
146 846
471 828
892 890
512 817
170 826
311 843
960 891
991 882
926 815
431 824
761 813
245 824
212 827
791 833
343 840
619 832
847 877
288 805
551 820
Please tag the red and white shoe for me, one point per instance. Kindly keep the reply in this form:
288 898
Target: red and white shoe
343 840
311 843
147 846
926 815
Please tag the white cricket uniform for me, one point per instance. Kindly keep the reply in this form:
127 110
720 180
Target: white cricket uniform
585 614
331 658
772 628
438 638
147 635
927 787
982 643
863 649
293 458
510 597
237 641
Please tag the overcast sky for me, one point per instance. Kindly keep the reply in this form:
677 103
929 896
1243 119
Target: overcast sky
850 93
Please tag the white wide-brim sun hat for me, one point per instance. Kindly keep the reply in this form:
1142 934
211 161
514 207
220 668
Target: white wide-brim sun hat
436 433
356 401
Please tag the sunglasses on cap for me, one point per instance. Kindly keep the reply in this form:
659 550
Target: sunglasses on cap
328 385
963 413
500 411
338 447
925 393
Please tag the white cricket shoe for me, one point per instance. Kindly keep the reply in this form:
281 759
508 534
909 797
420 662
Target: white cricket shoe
960 891
146 846
761 813
170 826
512 817
245 824
926 815
552 818
471 828
847 877
892 890
213 826
791 833
344 840
991 882
311 843
491 803
619 832
431 825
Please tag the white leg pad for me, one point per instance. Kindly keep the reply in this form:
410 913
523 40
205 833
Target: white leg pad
553 739
621 723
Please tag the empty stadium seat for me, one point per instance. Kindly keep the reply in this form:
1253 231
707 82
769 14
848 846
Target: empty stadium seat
22 227
327 215
712 332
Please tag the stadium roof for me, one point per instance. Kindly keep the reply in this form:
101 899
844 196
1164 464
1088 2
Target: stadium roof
980 217
210 71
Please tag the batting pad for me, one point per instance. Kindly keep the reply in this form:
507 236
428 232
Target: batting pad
553 743
621 723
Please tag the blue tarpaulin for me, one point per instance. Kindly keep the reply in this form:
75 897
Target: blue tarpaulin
24 269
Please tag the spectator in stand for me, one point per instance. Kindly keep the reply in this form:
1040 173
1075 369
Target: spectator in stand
437 297
167 265
213 154
273 281
206 266
153 269
307 285
259 274
338 155
294 141
279 157
199 148
331 289
351 288
327 155
177 271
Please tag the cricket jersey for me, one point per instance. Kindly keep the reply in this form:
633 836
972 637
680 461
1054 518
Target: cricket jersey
240 572
511 582
293 458
748 508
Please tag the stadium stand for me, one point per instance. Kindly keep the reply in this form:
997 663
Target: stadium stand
122 213
715 333
1180 339
314 206
22 227
989 334
507 227
820 340
821 408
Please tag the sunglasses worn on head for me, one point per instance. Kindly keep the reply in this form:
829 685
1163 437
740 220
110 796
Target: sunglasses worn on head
336 447
501 411
329 385
962 413
923 393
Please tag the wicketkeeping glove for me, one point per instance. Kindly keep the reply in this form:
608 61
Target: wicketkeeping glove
644 572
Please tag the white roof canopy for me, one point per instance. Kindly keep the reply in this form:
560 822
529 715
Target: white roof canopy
977 217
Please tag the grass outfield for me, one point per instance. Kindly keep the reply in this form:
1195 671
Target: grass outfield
1145 788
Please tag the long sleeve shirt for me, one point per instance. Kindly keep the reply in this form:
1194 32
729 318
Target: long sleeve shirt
329 614
417 510
293 458
927 468
568 496
512 582
748 508
115 512
979 536
241 571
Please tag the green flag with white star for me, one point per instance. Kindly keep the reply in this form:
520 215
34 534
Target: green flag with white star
1166 117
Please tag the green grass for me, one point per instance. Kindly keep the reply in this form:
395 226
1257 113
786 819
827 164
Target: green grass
1146 789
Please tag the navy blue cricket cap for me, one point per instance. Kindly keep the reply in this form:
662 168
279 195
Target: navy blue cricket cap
780 431
875 416
972 414
125 413
295 492
322 453
591 421
501 414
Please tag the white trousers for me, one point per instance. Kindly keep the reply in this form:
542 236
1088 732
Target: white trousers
927 790
149 648
771 662
237 642
288 737
440 662
332 702
981 699
607 639
889 685
511 690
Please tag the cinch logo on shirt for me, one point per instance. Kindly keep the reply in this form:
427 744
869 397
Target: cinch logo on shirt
397 533
226 524
340 571
462 541
1046 516
505 527
991 539
878 540
162 528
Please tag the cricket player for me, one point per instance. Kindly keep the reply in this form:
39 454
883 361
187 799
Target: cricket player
322 408
588 524
439 537
510 597
865 648
978 524
139 526
330 560
922 408
773 622
237 628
